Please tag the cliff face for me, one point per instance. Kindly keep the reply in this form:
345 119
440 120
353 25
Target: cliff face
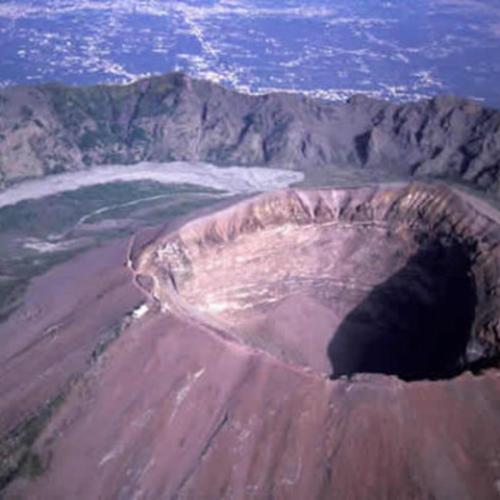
53 128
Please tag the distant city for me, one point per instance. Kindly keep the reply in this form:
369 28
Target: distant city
396 50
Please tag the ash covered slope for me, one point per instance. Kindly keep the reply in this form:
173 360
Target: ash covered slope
175 408
51 128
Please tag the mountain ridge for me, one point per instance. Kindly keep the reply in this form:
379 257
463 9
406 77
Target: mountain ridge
54 128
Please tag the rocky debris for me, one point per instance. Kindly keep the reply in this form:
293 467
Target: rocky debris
53 128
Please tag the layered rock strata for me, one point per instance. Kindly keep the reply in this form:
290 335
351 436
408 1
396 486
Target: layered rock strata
399 280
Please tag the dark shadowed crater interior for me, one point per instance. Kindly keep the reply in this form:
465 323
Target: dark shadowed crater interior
416 324
338 290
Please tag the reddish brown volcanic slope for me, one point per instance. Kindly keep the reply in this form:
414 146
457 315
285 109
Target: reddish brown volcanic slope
222 389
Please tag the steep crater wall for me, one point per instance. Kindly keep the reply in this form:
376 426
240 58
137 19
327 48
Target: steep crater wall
400 280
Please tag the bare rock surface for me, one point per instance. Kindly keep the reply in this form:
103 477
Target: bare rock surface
251 372
53 128
399 273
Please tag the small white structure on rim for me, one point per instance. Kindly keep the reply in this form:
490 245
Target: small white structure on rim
140 311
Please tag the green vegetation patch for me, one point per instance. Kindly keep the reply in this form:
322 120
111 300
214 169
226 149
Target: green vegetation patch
58 213
137 134
17 457
89 140
11 293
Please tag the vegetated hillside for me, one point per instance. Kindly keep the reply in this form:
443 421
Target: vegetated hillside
52 128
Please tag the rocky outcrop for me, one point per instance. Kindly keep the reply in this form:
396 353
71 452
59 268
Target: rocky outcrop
52 128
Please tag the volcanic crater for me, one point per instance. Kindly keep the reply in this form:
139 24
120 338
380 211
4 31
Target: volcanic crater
399 280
